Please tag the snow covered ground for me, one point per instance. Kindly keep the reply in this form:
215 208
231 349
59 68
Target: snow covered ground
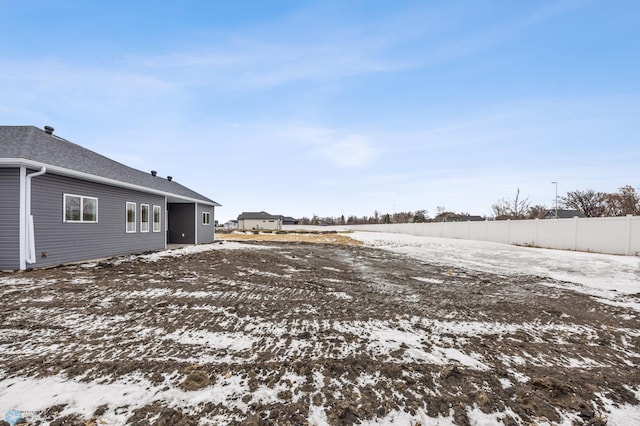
613 280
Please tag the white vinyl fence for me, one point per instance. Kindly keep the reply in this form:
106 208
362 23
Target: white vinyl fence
612 235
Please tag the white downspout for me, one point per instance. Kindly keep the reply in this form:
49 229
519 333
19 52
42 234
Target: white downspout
23 218
30 247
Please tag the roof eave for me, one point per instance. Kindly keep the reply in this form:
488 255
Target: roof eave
99 179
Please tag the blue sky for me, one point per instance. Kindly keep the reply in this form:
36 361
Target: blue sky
345 107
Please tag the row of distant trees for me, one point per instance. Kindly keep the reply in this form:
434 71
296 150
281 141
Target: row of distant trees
589 202
377 217
419 216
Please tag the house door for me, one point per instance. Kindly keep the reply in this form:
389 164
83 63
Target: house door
181 223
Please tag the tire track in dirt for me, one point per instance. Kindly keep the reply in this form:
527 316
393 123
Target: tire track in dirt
345 333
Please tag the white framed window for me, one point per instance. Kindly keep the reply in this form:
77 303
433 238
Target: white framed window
156 218
144 217
131 217
79 209
206 218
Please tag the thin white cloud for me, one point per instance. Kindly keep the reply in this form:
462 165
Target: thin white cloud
242 65
348 150
472 44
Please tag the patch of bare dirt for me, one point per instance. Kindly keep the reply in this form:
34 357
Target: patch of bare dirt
357 332
331 237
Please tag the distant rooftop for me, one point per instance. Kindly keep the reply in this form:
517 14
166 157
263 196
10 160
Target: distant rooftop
257 215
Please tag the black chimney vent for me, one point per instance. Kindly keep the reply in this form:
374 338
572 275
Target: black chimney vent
49 129
169 178
153 173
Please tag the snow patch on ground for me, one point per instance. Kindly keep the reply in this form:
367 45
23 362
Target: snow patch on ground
419 338
123 396
229 341
605 276
200 248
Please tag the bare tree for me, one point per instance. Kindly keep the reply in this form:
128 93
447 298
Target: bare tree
304 221
515 208
625 201
589 202
538 211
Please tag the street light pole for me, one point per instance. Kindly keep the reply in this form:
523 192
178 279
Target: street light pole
556 183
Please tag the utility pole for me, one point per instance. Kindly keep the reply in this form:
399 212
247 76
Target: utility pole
556 183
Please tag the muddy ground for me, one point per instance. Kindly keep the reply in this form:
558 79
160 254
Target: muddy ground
307 331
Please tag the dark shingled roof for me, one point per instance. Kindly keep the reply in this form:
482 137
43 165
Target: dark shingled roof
257 215
34 144
564 214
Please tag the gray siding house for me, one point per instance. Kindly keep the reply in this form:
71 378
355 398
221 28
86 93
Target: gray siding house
60 203
259 220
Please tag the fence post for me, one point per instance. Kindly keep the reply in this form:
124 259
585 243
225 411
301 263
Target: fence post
535 239
575 232
629 216
486 229
508 231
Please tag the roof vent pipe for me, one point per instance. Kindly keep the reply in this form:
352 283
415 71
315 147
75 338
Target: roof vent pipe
49 129
153 173
169 178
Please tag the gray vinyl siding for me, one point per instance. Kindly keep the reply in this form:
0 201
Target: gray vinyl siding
205 232
9 218
181 223
68 242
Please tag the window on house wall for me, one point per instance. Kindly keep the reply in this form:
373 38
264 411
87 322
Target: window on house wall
144 217
80 209
156 218
206 218
131 217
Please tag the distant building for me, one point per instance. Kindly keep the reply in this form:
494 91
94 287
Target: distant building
462 218
231 224
60 202
563 214
288 220
259 220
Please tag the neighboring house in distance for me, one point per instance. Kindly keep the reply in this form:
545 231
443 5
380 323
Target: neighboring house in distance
288 220
463 218
259 220
455 217
60 203
563 214
231 224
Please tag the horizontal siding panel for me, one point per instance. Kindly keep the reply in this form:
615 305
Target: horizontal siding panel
205 232
68 242
9 218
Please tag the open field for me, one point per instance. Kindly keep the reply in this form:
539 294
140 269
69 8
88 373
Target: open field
288 332
292 237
